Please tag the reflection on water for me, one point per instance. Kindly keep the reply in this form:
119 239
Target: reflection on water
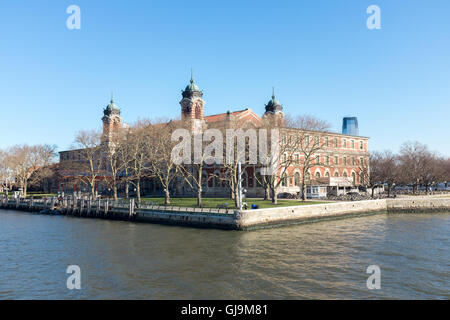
121 260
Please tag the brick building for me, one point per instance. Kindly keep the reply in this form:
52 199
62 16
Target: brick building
337 168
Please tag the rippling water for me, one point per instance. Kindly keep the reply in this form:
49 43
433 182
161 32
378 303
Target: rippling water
327 260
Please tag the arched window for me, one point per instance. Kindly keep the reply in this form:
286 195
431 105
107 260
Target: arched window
308 176
244 180
354 178
297 179
317 175
216 179
258 179
327 174
204 179
361 178
345 175
336 174
284 180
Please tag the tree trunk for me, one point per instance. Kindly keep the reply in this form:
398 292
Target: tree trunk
303 191
373 191
115 192
266 193
25 190
199 198
236 198
127 190
167 197
138 190
389 191
274 196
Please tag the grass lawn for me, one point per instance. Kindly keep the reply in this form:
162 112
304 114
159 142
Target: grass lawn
213 202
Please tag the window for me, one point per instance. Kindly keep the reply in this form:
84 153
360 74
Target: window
244 180
344 160
327 174
308 176
258 179
316 141
344 143
335 142
284 158
317 175
353 144
354 178
336 160
326 142
353 161
297 179
284 180
327 160
317 159
283 139
361 145
297 159
361 161
345 175
336 174
307 140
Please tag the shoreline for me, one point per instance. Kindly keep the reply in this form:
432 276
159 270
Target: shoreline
245 220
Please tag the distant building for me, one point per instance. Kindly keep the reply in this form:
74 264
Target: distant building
350 126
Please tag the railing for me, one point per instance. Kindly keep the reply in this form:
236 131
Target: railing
100 206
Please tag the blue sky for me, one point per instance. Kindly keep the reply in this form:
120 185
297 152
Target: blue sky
318 54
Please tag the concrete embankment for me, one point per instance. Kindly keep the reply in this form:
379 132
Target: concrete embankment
232 220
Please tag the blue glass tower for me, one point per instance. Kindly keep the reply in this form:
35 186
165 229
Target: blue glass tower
350 126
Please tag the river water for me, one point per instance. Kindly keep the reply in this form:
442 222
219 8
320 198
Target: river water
123 260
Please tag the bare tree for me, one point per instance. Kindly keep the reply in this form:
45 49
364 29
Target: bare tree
159 152
6 171
91 164
26 160
138 140
414 158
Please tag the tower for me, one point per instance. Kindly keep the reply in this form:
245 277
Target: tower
274 111
350 126
192 107
112 123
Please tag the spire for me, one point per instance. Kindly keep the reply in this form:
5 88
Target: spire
273 93
192 76
112 97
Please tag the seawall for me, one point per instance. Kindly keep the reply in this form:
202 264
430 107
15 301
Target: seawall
233 220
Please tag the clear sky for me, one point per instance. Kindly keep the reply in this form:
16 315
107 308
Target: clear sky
319 55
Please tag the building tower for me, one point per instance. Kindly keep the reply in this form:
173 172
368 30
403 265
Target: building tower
112 123
350 126
274 111
192 107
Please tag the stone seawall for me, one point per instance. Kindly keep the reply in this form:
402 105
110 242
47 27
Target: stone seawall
307 213
239 220
252 219
418 204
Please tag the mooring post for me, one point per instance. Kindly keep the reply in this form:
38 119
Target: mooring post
131 208
97 210
106 207
90 206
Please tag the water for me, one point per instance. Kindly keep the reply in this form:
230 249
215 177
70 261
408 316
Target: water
122 260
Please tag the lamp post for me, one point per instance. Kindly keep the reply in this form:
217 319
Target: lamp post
239 186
